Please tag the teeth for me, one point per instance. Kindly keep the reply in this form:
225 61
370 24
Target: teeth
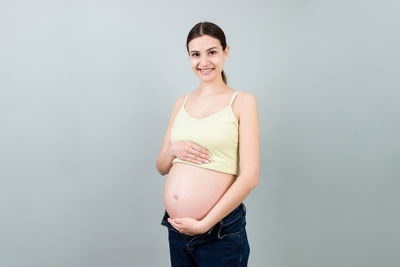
206 70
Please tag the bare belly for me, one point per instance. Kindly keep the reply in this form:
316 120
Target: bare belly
192 191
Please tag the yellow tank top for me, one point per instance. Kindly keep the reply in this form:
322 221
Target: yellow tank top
218 133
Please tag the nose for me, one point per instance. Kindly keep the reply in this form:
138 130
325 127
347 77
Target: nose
203 60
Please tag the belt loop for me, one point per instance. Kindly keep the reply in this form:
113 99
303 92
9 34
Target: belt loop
244 208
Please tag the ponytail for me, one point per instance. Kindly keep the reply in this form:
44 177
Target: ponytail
210 29
224 77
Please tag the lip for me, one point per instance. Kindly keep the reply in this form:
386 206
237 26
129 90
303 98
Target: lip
205 72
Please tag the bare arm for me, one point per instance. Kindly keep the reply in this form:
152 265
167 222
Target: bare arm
249 152
184 149
165 157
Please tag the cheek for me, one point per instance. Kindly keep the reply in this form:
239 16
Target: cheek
219 65
219 61
193 63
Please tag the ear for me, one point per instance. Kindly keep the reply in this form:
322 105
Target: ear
226 52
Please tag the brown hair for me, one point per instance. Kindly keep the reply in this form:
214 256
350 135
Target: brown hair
211 29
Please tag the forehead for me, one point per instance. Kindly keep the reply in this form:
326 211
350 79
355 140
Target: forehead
203 43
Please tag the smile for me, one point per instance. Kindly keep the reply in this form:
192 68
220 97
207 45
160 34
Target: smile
205 70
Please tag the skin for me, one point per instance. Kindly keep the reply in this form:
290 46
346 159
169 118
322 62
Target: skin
206 52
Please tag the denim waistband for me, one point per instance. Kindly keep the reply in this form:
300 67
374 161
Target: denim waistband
230 218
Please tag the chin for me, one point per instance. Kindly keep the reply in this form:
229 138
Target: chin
207 79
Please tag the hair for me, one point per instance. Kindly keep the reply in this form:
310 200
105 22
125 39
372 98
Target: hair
211 29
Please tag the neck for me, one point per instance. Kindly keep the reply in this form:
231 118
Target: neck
212 87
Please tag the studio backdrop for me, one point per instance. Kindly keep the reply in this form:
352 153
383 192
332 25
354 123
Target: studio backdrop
86 92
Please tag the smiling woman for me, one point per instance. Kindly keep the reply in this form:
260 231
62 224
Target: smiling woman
197 39
209 130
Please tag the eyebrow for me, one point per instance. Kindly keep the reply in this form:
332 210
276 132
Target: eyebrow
206 50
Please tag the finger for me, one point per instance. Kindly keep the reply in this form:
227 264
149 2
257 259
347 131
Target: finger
177 221
199 156
173 224
201 152
194 159
171 221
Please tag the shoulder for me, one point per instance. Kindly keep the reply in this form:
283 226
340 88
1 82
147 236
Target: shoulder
179 101
246 105
245 99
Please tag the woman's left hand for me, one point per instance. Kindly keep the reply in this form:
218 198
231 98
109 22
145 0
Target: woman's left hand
188 226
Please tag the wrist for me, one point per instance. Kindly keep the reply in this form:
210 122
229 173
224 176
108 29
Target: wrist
205 225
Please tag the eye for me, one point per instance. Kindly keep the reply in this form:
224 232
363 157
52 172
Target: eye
213 52
195 54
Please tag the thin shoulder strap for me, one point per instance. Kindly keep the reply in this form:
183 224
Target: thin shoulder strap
233 97
185 100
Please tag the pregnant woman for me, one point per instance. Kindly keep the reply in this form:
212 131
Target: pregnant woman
211 155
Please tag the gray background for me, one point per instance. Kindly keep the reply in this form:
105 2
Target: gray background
87 88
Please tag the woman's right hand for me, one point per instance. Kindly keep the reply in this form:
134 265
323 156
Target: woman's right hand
189 151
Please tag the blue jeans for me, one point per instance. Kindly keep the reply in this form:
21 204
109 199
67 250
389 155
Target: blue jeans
225 244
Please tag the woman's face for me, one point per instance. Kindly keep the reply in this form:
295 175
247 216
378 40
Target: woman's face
207 57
